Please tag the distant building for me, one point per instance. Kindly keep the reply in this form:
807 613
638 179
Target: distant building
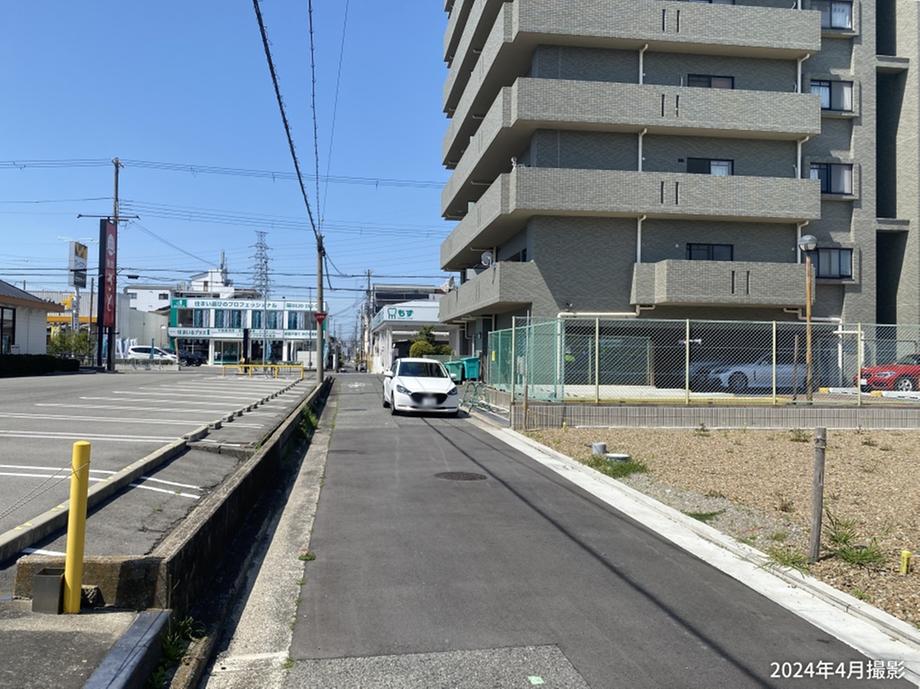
395 327
23 321
230 329
383 295
150 298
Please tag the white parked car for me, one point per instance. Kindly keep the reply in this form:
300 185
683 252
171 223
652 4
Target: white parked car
758 375
420 385
142 353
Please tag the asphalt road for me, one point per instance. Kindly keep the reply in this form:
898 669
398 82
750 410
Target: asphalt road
421 581
125 417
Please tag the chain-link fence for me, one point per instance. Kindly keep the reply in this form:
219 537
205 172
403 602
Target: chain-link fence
610 361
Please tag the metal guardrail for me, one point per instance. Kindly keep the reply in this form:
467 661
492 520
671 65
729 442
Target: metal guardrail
269 370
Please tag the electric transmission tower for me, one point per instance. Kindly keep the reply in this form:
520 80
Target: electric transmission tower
262 283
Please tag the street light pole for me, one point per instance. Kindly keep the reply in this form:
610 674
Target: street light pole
807 244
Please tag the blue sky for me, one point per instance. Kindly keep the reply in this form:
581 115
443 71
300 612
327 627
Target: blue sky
186 82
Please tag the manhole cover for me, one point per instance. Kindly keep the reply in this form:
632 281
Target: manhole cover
460 476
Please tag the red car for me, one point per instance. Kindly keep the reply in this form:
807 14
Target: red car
903 375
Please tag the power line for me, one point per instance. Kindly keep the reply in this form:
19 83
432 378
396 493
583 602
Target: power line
284 118
169 243
313 101
204 169
335 112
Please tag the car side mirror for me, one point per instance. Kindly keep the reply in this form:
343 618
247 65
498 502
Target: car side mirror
388 374
454 377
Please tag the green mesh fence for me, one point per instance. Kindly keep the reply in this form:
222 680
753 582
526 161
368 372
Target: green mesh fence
610 360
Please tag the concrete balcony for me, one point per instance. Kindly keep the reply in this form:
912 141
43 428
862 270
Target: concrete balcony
532 104
527 192
666 26
718 283
503 287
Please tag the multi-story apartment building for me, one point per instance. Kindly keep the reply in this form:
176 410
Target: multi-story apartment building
660 159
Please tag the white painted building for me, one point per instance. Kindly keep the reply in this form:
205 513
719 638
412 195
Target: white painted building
23 321
229 330
395 327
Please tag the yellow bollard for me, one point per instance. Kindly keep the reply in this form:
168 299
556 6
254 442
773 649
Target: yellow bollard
906 556
76 526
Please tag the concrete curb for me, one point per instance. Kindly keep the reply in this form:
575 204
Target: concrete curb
885 623
134 656
13 541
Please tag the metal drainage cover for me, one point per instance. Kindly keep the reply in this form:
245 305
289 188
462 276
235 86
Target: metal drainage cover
460 476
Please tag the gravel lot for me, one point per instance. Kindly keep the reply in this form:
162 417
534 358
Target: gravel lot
756 486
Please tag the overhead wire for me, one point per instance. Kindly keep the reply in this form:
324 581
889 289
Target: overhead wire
335 112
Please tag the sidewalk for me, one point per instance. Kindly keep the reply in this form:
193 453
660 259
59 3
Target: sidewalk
447 558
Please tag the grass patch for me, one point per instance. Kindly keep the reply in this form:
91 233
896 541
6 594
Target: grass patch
174 643
307 556
701 431
869 442
287 664
714 494
786 504
869 556
705 517
778 536
859 594
787 557
797 435
840 532
617 469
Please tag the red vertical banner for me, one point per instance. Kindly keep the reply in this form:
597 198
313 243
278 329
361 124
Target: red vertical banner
110 265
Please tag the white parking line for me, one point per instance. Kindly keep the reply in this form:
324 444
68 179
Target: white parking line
121 407
66 471
136 484
228 406
120 419
50 435
166 393
41 551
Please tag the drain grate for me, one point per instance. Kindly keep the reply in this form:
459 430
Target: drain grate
460 476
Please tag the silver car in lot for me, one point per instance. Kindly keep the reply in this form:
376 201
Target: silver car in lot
758 375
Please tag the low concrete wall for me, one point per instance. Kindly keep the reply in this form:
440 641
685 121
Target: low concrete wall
189 554
840 418
183 563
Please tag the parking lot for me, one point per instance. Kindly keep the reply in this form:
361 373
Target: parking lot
125 417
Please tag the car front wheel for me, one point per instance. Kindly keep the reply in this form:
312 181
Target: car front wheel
385 403
738 382
905 385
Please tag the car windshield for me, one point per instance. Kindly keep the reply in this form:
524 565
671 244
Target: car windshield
909 360
421 369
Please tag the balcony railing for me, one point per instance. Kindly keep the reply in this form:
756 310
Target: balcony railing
718 283
502 287
526 192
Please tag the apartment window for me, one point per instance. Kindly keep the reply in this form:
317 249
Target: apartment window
834 263
132 295
163 296
709 81
709 166
7 329
835 14
836 178
710 252
834 95
297 320
201 318
273 318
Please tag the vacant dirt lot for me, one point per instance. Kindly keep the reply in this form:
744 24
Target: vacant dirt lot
756 486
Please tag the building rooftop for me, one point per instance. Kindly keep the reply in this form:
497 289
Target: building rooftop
10 294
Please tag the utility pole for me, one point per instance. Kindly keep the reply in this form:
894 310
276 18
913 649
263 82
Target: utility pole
320 255
115 219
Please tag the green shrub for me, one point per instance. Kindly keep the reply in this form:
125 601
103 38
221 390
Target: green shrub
15 365
421 348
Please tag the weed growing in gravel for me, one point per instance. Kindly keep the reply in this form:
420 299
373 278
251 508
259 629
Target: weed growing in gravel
797 435
860 594
869 442
778 536
870 556
787 557
307 556
786 504
705 517
617 469
885 448
714 494
287 664
749 540
701 431
840 531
